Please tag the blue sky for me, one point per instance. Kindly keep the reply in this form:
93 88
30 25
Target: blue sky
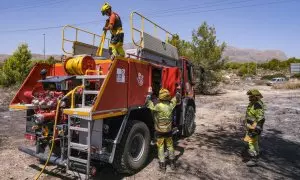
259 24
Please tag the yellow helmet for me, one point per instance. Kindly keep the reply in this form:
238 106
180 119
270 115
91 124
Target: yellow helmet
105 7
164 95
254 92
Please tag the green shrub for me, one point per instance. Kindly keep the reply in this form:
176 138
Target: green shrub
16 67
247 69
49 61
233 65
296 76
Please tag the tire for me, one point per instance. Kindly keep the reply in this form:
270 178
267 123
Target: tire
189 124
132 152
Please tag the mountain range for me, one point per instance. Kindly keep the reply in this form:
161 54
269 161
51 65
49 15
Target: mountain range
234 54
246 55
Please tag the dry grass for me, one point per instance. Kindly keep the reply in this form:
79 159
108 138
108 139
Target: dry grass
288 85
259 82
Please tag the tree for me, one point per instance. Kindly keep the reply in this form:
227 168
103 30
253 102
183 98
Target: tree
207 54
274 64
16 67
51 60
183 47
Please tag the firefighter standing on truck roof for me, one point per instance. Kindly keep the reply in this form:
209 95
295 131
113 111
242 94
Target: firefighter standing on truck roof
255 119
162 112
114 24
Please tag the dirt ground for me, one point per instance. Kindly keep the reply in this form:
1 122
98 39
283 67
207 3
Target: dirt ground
213 152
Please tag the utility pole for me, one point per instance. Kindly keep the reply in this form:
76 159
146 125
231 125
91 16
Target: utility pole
256 68
254 60
44 46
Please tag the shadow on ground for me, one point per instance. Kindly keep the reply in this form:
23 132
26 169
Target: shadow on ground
280 158
103 171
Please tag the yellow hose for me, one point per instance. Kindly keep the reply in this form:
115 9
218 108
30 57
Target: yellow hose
54 130
100 48
100 72
79 64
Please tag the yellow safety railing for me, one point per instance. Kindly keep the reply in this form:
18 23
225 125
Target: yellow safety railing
73 95
76 39
142 29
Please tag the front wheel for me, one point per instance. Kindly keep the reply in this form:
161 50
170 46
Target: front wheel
189 124
132 152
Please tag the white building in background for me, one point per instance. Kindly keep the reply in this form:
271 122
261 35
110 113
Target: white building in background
295 68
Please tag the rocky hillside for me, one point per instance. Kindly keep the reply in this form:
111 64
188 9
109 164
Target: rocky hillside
246 55
34 56
3 57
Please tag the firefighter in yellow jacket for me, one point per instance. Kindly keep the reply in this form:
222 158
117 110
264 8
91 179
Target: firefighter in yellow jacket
162 112
255 119
114 24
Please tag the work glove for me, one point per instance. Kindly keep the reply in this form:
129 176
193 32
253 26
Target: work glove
148 98
252 126
178 94
149 95
252 134
106 27
258 129
178 98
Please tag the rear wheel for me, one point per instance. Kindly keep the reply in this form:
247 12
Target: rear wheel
132 152
189 124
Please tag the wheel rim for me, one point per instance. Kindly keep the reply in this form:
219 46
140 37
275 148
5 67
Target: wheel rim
190 118
137 147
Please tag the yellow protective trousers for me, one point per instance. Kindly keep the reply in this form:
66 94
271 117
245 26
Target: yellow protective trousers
160 142
116 44
253 147
117 49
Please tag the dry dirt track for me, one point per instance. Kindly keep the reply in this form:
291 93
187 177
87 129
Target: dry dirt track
213 152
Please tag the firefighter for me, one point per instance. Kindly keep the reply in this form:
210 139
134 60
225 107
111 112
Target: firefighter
162 112
114 24
255 119
43 74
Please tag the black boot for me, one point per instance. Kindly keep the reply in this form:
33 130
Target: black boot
172 164
252 162
162 166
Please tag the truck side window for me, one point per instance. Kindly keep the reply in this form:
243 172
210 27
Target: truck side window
156 81
190 73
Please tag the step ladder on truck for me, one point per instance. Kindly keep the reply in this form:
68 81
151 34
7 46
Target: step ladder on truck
91 110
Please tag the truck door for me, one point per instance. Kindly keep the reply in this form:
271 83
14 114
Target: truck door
188 79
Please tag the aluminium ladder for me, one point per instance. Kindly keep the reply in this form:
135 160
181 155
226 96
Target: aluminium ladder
71 160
